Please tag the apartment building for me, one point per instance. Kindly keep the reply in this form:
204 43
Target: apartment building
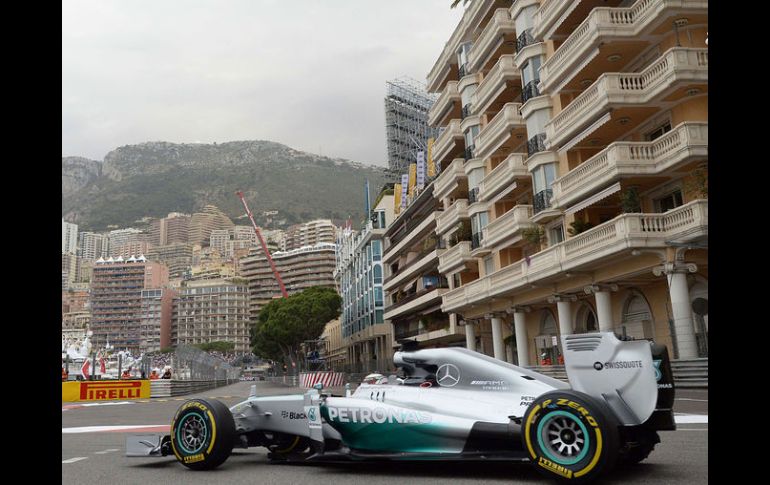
367 337
299 268
116 300
176 257
211 311
202 223
412 283
155 319
69 237
92 246
310 233
172 229
574 144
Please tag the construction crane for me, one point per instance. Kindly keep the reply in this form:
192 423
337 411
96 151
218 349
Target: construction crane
264 246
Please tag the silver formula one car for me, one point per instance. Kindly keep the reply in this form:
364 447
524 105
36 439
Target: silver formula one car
452 404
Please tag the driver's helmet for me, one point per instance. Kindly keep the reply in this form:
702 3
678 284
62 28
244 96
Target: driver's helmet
375 379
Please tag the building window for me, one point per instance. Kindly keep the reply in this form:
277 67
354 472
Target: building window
670 201
489 265
659 131
557 234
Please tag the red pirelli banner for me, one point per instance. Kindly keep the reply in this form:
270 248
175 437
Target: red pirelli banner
74 391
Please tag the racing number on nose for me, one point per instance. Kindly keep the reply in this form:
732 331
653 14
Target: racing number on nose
448 375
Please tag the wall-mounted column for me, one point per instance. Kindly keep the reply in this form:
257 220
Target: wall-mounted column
563 306
603 305
520 330
470 335
497 335
684 333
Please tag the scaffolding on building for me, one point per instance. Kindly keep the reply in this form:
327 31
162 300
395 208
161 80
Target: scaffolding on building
406 121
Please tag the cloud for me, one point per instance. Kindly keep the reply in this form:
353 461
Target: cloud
310 74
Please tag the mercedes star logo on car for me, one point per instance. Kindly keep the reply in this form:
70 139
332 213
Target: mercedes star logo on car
448 375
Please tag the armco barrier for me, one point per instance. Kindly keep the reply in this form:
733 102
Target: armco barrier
171 387
104 390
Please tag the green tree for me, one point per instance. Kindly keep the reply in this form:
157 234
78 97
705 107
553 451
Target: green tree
284 324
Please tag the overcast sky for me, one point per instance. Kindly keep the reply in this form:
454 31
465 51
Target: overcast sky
309 74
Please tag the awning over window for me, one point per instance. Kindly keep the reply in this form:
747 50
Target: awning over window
594 198
583 134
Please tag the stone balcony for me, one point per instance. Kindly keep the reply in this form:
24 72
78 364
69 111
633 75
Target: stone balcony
499 130
623 233
445 144
448 180
414 303
454 258
412 269
603 26
503 176
502 75
508 228
447 102
499 28
686 143
613 91
449 218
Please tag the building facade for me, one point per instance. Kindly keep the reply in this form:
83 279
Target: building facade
574 142
310 234
368 339
202 223
155 319
172 229
69 237
116 300
299 269
211 311
92 246
413 284
176 257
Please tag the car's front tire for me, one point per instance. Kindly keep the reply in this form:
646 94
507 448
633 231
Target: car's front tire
570 436
202 434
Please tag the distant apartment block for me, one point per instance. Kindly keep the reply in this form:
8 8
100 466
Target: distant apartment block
202 223
310 233
176 257
210 311
172 229
299 269
69 237
92 246
155 319
116 300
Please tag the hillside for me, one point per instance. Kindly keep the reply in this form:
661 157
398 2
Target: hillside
155 178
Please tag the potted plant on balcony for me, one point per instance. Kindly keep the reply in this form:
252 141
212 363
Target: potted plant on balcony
698 184
534 235
630 202
579 225
463 233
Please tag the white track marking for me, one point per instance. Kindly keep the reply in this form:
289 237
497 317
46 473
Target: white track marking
689 399
104 452
692 429
97 429
691 418
73 460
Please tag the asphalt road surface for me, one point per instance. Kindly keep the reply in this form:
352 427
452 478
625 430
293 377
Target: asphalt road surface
96 457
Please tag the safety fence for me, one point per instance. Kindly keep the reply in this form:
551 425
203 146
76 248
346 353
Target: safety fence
193 364
169 387
328 379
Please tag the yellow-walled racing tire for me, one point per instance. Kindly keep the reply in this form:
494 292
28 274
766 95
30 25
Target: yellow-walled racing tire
570 436
202 434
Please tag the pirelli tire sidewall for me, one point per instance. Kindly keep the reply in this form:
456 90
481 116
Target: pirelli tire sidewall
202 434
593 422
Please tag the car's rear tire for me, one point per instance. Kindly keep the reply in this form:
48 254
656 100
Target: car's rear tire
202 434
570 436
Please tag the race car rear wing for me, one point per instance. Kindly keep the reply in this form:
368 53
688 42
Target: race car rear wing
619 372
